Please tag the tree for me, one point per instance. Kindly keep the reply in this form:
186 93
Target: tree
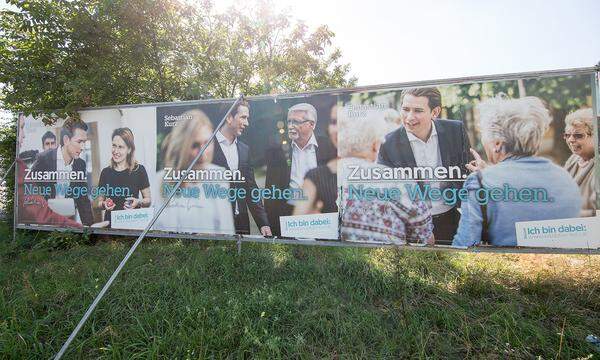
56 57
33 53
7 155
268 53
59 56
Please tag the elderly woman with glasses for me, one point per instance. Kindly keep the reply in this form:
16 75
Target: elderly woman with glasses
526 187
578 135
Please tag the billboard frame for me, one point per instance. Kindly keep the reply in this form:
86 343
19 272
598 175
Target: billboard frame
595 70
337 91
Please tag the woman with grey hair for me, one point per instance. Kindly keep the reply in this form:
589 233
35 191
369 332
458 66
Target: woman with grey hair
579 138
518 186
395 219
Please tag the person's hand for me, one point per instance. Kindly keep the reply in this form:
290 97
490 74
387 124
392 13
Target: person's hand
265 231
108 204
477 164
131 203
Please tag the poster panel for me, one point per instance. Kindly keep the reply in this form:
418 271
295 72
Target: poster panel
462 164
448 165
596 91
249 177
76 173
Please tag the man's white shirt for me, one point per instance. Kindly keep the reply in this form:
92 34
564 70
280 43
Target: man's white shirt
302 161
230 151
61 168
231 156
427 154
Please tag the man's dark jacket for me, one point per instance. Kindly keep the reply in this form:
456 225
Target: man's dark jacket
242 221
453 144
46 161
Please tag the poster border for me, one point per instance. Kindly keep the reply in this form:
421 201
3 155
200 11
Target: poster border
392 86
336 92
328 243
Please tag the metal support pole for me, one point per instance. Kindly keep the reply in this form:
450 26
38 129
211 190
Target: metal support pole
239 245
16 188
14 199
8 171
140 238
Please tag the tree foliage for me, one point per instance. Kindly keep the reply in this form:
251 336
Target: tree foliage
59 56
561 94
7 155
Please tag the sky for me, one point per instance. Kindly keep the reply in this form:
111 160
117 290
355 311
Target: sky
401 41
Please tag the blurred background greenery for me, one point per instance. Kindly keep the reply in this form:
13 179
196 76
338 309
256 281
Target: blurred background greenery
561 94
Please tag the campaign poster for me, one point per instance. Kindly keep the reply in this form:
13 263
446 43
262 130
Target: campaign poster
93 171
505 163
248 180
462 164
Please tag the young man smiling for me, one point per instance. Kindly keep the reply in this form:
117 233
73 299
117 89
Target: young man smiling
233 154
66 158
427 141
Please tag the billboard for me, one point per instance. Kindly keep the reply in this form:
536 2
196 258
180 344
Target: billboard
506 161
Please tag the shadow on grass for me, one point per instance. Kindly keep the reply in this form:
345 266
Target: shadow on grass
182 299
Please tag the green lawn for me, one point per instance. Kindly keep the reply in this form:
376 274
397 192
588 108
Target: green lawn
199 299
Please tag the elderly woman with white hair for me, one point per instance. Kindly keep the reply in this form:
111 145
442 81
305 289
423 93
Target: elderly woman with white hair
393 220
511 132
579 138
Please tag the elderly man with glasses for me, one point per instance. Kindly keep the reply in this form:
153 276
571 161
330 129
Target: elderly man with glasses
288 164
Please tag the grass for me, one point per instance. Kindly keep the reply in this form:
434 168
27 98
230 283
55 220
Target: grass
199 299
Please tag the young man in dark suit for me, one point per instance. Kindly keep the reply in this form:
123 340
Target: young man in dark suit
33 209
65 159
427 141
233 154
288 164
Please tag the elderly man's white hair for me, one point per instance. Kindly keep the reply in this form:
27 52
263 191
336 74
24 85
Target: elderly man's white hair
310 113
360 132
519 123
